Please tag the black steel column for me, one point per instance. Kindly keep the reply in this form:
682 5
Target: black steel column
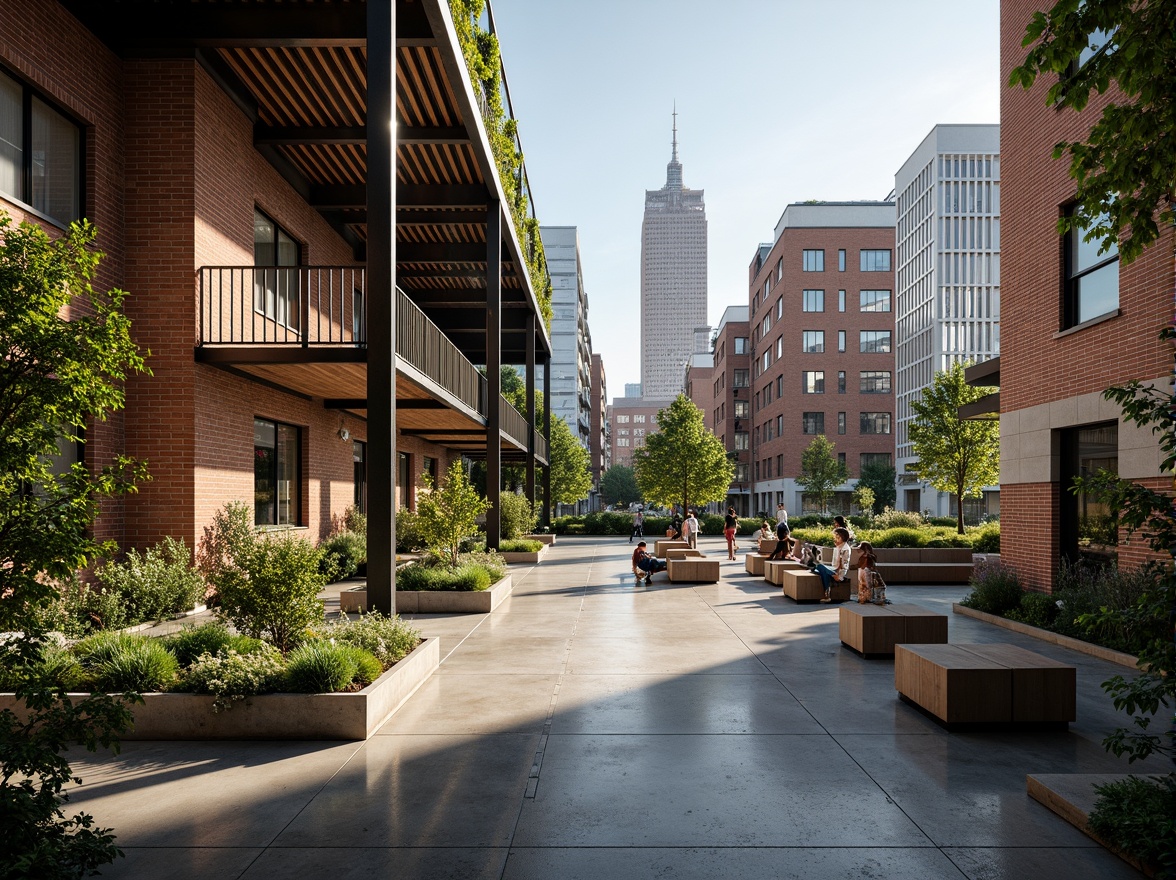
493 372
531 408
547 431
381 306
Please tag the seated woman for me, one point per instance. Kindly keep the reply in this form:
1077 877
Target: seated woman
765 532
644 561
839 572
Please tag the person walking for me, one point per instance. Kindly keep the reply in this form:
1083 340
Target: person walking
730 526
690 530
638 526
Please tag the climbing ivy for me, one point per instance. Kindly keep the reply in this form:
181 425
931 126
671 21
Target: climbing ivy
481 53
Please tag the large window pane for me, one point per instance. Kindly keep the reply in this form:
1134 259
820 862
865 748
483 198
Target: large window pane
56 143
11 139
288 491
277 477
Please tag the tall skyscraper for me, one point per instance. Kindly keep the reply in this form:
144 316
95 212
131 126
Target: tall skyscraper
673 280
947 295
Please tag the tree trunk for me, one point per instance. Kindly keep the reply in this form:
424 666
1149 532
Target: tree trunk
960 509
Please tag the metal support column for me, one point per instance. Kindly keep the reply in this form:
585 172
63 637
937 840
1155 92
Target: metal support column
381 306
547 432
531 408
493 372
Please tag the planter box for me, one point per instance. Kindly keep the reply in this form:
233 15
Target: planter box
545 538
525 557
434 601
354 716
1045 635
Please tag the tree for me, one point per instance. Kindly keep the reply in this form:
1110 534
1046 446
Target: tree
955 455
56 375
618 485
1125 169
448 514
863 497
570 478
684 462
880 477
820 471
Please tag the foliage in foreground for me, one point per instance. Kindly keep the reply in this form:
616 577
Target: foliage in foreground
1138 816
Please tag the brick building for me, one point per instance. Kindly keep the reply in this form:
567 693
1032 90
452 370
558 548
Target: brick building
631 420
1073 324
729 415
600 446
293 303
822 358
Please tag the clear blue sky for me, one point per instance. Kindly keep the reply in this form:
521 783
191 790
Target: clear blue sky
778 101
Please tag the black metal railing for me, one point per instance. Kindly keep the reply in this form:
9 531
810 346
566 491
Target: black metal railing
421 343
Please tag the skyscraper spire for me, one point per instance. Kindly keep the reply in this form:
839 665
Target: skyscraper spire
674 169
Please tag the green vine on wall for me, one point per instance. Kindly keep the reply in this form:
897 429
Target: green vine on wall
481 53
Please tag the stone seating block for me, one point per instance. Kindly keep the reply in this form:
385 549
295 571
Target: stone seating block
694 570
681 553
876 629
805 586
663 544
945 555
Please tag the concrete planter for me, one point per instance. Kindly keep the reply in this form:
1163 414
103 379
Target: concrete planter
434 601
351 716
545 538
1045 635
524 557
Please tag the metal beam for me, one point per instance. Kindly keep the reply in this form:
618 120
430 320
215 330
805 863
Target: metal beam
441 252
340 197
345 403
445 195
494 374
530 413
293 353
294 135
546 516
429 136
418 217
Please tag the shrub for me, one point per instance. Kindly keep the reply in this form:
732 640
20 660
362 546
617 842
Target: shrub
154 584
574 529
894 519
607 522
899 537
209 638
945 521
986 538
468 577
520 545
1138 816
274 593
367 667
324 667
231 676
88 608
448 514
342 554
227 540
408 532
121 663
1036 609
516 515
388 639
494 564
54 665
995 588
1088 592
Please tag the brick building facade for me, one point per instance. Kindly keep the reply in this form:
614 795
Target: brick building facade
729 414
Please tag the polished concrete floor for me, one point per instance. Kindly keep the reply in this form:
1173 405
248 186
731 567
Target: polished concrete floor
590 729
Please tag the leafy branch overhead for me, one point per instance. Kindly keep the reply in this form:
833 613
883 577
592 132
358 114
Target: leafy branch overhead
1125 169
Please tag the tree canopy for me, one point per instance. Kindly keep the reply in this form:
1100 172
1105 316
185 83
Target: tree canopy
955 455
1125 169
618 485
570 477
684 462
880 477
820 471
448 513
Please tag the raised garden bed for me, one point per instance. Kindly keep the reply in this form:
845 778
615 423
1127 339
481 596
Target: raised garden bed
542 537
434 601
517 557
342 716
1045 635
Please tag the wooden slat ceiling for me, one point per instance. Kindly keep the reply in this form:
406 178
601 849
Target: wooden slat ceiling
301 66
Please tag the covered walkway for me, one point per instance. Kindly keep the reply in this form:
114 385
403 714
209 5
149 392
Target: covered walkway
593 729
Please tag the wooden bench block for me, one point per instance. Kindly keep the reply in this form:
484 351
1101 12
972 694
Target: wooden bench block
682 553
1043 689
696 570
870 629
767 546
944 555
664 544
954 684
806 586
754 563
774 569
921 625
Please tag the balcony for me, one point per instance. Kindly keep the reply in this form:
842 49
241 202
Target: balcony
304 329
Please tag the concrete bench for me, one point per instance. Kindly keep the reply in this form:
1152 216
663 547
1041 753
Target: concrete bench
916 565
774 569
682 553
806 586
984 684
663 544
694 570
876 629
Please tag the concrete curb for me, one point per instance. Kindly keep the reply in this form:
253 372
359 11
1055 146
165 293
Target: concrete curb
435 601
1044 635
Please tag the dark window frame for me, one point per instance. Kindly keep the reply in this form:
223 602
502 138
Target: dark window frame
295 497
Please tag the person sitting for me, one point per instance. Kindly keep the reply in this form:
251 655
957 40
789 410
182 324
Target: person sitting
867 569
765 532
676 525
839 572
840 523
783 541
646 562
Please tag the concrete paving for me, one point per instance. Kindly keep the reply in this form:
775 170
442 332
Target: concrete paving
591 728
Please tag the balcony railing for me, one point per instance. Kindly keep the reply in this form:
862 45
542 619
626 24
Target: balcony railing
317 306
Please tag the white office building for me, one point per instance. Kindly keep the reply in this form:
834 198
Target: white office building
571 342
947 303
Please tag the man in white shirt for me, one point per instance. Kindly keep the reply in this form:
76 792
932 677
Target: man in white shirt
690 530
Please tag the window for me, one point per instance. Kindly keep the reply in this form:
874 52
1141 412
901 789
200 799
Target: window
740 345
841 381
813 301
622 441
813 382
841 260
841 459
875 301
1088 528
813 422
841 423
741 409
766 327
430 467
779 308
741 440
875 261
639 419
875 341
814 341
841 300
780 385
40 154
403 480
622 420
739 379
779 346
359 474
277 474
813 261
767 360
872 458
875 381
741 472
275 289
779 426
875 423
840 341
1092 279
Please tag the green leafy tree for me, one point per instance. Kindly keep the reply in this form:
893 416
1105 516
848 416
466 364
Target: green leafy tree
684 462
56 375
863 497
1125 168
955 455
570 477
618 485
820 471
448 514
879 477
